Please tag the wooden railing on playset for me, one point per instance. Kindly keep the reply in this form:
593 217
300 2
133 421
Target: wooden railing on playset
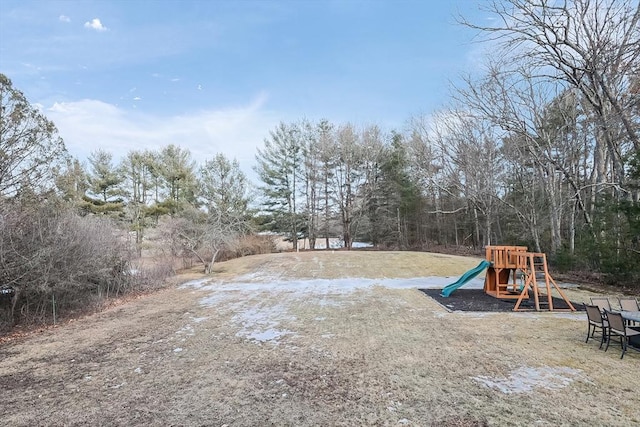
510 263
501 279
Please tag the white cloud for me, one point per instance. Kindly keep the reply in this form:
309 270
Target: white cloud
137 98
87 125
95 24
64 18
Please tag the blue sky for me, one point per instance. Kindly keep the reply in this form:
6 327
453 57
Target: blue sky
216 76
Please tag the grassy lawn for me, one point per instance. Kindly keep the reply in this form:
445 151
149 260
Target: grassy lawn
268 340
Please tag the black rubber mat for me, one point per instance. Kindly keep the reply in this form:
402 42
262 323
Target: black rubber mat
478 300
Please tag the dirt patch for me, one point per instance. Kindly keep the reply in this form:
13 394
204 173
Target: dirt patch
358 345
478 300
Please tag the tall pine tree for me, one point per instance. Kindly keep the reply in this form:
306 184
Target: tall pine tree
279 165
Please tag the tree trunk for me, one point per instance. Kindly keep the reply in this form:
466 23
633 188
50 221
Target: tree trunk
476 225
572 230
208 267
14 302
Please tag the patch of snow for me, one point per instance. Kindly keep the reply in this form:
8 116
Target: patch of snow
261 323
337 244
327 287
324 302
196 284
266 335
188 330
526 379
259 276
361 245
177 350
137 370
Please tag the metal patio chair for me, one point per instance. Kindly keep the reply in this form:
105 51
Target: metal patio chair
629 304
603 304
596 321
619 328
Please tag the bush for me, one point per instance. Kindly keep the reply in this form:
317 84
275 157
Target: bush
251 244
245 245
56 262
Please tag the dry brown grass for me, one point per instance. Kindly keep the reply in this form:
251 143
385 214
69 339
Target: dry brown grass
373 356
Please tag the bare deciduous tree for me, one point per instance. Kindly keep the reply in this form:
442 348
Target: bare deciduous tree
592 45
197 236
347 178
29 143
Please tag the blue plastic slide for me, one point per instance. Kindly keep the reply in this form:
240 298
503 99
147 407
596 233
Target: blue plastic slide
465 278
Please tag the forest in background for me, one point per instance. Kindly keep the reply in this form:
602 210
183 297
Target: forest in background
540 148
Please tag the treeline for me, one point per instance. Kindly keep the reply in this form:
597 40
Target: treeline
540 149
165 192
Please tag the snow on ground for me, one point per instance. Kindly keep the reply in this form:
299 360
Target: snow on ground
257 283
261 321
527 379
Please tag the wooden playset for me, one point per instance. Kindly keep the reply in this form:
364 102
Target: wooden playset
513 264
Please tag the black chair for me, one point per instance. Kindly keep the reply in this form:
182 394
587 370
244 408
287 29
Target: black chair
619 328
596 321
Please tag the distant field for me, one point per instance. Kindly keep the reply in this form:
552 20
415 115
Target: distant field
317 338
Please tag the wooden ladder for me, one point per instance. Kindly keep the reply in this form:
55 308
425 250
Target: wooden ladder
534 263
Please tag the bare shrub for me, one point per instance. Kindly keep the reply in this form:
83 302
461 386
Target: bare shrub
56 261
188 241
149 278
195 241
250 244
